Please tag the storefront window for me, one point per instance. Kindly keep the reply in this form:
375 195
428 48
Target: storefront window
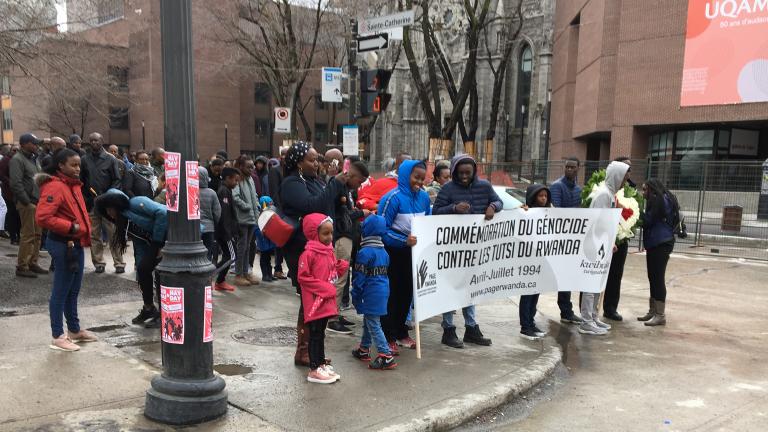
694 145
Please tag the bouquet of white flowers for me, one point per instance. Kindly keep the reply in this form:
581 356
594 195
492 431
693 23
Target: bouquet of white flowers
628 199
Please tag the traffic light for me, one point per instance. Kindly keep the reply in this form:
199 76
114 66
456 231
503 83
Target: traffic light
373 91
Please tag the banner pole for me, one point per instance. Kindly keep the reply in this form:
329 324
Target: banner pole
418 334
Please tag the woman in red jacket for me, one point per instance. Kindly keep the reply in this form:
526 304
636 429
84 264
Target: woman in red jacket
61 210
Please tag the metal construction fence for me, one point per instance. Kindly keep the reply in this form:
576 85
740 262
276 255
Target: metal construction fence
718 199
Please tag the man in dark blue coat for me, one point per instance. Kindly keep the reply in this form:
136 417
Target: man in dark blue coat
567 194
465 194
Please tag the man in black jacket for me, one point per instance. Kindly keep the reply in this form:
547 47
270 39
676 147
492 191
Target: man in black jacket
224 228
101 172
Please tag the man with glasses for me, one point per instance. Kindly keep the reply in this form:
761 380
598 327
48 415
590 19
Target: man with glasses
567 194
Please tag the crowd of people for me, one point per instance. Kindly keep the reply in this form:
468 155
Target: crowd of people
350 246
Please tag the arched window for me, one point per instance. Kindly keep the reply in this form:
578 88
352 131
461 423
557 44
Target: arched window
522 101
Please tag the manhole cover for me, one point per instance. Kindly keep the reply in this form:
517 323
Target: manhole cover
267 336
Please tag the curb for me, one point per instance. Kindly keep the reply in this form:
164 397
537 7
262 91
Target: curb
456 411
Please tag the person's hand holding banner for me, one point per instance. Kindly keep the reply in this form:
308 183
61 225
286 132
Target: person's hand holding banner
489 212
462 207
411 241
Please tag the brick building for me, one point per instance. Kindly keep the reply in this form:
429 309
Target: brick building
616 85
233 105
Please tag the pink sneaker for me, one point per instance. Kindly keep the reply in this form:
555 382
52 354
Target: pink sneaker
407 342
330 372
320 376
63 343
83 336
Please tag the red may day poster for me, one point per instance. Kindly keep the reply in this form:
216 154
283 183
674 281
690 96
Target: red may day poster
172 315
193 190
172 174
208 316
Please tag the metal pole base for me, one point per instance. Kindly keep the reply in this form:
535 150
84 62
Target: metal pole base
185 402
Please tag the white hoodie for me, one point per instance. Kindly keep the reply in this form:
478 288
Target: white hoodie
605 196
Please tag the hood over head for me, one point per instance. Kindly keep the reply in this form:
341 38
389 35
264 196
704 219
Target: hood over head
204 180
311 223
404 174
459 159
265 201
614 175
262 159
113 198
274 162
374 225
532 191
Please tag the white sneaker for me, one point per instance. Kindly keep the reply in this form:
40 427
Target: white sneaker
320 376
590 328
601 324
330 372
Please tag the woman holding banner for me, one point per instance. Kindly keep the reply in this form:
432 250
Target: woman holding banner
465 194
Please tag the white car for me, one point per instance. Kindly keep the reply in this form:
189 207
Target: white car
509 201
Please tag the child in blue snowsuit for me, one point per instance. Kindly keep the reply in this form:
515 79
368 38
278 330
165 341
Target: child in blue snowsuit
370 291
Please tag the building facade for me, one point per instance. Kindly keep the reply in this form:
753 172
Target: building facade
521 131
616 89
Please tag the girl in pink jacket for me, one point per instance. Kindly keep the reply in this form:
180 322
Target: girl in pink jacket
318 270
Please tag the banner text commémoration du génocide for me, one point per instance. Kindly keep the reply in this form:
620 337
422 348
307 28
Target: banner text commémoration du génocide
462 260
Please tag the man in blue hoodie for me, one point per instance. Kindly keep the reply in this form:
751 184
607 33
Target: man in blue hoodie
398 207
567 194
465 194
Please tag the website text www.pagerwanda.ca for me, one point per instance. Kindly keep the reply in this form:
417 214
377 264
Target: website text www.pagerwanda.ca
503 287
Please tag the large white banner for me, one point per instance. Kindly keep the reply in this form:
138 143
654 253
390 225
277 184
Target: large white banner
462 260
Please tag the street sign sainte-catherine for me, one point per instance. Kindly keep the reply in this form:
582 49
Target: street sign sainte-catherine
371 25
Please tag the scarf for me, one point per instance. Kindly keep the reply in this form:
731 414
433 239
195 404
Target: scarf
147 173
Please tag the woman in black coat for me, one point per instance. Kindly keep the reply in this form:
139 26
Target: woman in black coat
303 193
141 179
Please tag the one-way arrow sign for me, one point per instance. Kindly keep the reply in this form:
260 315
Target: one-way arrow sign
373 42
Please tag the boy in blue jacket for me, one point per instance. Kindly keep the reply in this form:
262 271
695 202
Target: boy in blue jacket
465 194
370 291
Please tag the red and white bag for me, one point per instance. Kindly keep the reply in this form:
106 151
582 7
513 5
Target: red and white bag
275 228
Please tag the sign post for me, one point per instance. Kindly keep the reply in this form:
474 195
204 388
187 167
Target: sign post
331 85
282 120
373 25
350 140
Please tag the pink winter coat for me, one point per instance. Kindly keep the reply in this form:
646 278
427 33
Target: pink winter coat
318 270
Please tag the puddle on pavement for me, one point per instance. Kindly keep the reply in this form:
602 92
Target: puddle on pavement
564 337
106 328
12 255
8 313
232 369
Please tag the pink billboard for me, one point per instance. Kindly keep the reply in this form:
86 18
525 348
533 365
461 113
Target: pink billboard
726 53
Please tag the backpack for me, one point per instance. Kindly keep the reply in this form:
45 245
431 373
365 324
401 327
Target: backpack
677 220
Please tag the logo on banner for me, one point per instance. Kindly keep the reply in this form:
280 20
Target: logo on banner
421 277
601 252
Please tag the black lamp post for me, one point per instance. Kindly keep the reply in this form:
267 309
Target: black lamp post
226 138
187 392
143 137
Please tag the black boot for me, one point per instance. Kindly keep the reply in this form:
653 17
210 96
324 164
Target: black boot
450 338
475 336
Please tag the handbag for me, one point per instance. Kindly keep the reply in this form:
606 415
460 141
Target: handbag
277 228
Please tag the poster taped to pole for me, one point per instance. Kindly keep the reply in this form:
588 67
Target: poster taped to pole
462 260
172 315
193 190
172 177
208 316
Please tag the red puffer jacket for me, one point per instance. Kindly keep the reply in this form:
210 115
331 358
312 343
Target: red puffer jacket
61 205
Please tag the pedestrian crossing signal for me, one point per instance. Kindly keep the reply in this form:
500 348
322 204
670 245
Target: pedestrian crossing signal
373 96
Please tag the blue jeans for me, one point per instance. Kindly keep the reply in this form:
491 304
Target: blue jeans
66 287
528 311
469 318
372 329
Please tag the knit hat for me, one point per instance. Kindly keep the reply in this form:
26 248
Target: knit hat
228 172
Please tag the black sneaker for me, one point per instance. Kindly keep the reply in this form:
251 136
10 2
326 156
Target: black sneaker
99 269
119 270
27 273
145 314
539 332
475 336
613 316
529 334
572 318
362 354
153 324
339 328
345 322
383 362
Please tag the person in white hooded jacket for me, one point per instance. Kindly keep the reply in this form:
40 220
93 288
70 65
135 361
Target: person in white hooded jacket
616 176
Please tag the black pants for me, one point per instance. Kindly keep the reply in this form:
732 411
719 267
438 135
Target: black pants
292 251
656 260
400 293
616 272
528 311
12 222
317 342
265 261
227 253
564 303
145 274
209 240
252 249
279 260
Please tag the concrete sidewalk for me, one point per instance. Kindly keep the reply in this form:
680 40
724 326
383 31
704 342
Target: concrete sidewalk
102 386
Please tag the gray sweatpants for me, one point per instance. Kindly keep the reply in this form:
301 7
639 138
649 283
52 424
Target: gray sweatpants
589 305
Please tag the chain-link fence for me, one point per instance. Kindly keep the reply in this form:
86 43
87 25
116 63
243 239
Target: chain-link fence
719 199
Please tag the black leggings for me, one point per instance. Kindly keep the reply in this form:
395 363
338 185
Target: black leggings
145 271
317 342
400 293
615 273
656 260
